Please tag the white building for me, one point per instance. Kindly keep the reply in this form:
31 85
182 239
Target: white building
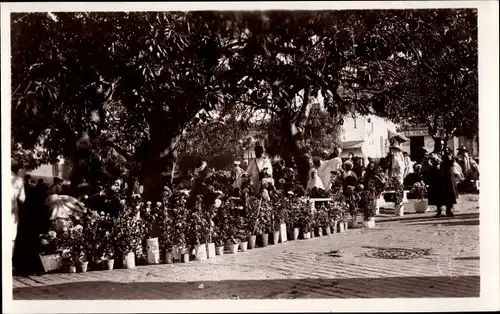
366 136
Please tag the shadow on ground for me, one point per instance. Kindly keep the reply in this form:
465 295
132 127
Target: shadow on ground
431 218
390 287
472 222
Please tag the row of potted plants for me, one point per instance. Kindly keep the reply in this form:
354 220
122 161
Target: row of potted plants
169 231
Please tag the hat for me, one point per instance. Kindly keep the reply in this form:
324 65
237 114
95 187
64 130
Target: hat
236 162
463 149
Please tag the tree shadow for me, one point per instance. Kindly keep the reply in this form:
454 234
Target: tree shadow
432 217
388 287
467 258
471 222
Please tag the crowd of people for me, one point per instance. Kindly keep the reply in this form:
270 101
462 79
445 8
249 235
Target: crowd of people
38 207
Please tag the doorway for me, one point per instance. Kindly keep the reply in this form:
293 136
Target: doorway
416 144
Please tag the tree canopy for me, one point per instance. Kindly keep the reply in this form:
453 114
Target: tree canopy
121 89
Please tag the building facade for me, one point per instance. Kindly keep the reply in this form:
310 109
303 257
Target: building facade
366 136
420 138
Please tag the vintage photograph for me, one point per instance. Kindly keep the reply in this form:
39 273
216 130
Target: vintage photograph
267 154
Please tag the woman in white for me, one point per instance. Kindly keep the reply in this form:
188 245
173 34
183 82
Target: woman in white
260 164
314 181
334 164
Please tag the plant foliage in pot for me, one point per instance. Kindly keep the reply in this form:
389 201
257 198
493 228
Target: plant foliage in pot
129 235
305 220
419 190
199 230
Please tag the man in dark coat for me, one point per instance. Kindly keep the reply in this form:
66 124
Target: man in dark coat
449 193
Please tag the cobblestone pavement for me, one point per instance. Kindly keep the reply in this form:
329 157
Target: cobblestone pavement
334 266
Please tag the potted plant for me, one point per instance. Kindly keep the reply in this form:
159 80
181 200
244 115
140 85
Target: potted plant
243 233
152 217
322 220
292 216
281 202
166 239
352 202
418 192
129 235
72 243
265 223
199 232
368 204
50 253
253 209
397 196
305 220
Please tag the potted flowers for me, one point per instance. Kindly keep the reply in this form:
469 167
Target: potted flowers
418 192
265 223
199 231
293 214
129 235
49 254
368 204
398 194
305 220
72 242
322 220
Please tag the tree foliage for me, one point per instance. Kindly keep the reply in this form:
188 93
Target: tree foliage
123 88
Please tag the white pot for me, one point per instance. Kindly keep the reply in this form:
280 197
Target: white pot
210 250
153 249
51 262
422 206
283 237
370 223
399 210
410 206
200 252
129 260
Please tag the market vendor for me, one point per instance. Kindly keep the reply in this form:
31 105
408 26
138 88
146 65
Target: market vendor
260 169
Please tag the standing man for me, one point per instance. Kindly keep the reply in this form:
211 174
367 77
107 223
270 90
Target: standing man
260 169
329 166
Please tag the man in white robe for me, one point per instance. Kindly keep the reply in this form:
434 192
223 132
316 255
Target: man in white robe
260 164
324 171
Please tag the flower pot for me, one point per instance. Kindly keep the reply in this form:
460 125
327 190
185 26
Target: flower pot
169 257
276 237
410 206
84 266
319 232
264 239
110 263
185 257
370 223
353 222
306 235
335 227
422 206
51 262
72 269
153 251
244 246
399 210
200 252
251 241
210 250
129 260
341 227
328 230
283 237
296 233
233 248
219 250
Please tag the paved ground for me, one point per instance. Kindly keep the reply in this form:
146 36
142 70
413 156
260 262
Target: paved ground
335 266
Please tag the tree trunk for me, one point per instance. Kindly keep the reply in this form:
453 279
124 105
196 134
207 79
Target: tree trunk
301 160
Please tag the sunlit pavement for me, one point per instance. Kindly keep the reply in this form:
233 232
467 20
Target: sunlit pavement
335 266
